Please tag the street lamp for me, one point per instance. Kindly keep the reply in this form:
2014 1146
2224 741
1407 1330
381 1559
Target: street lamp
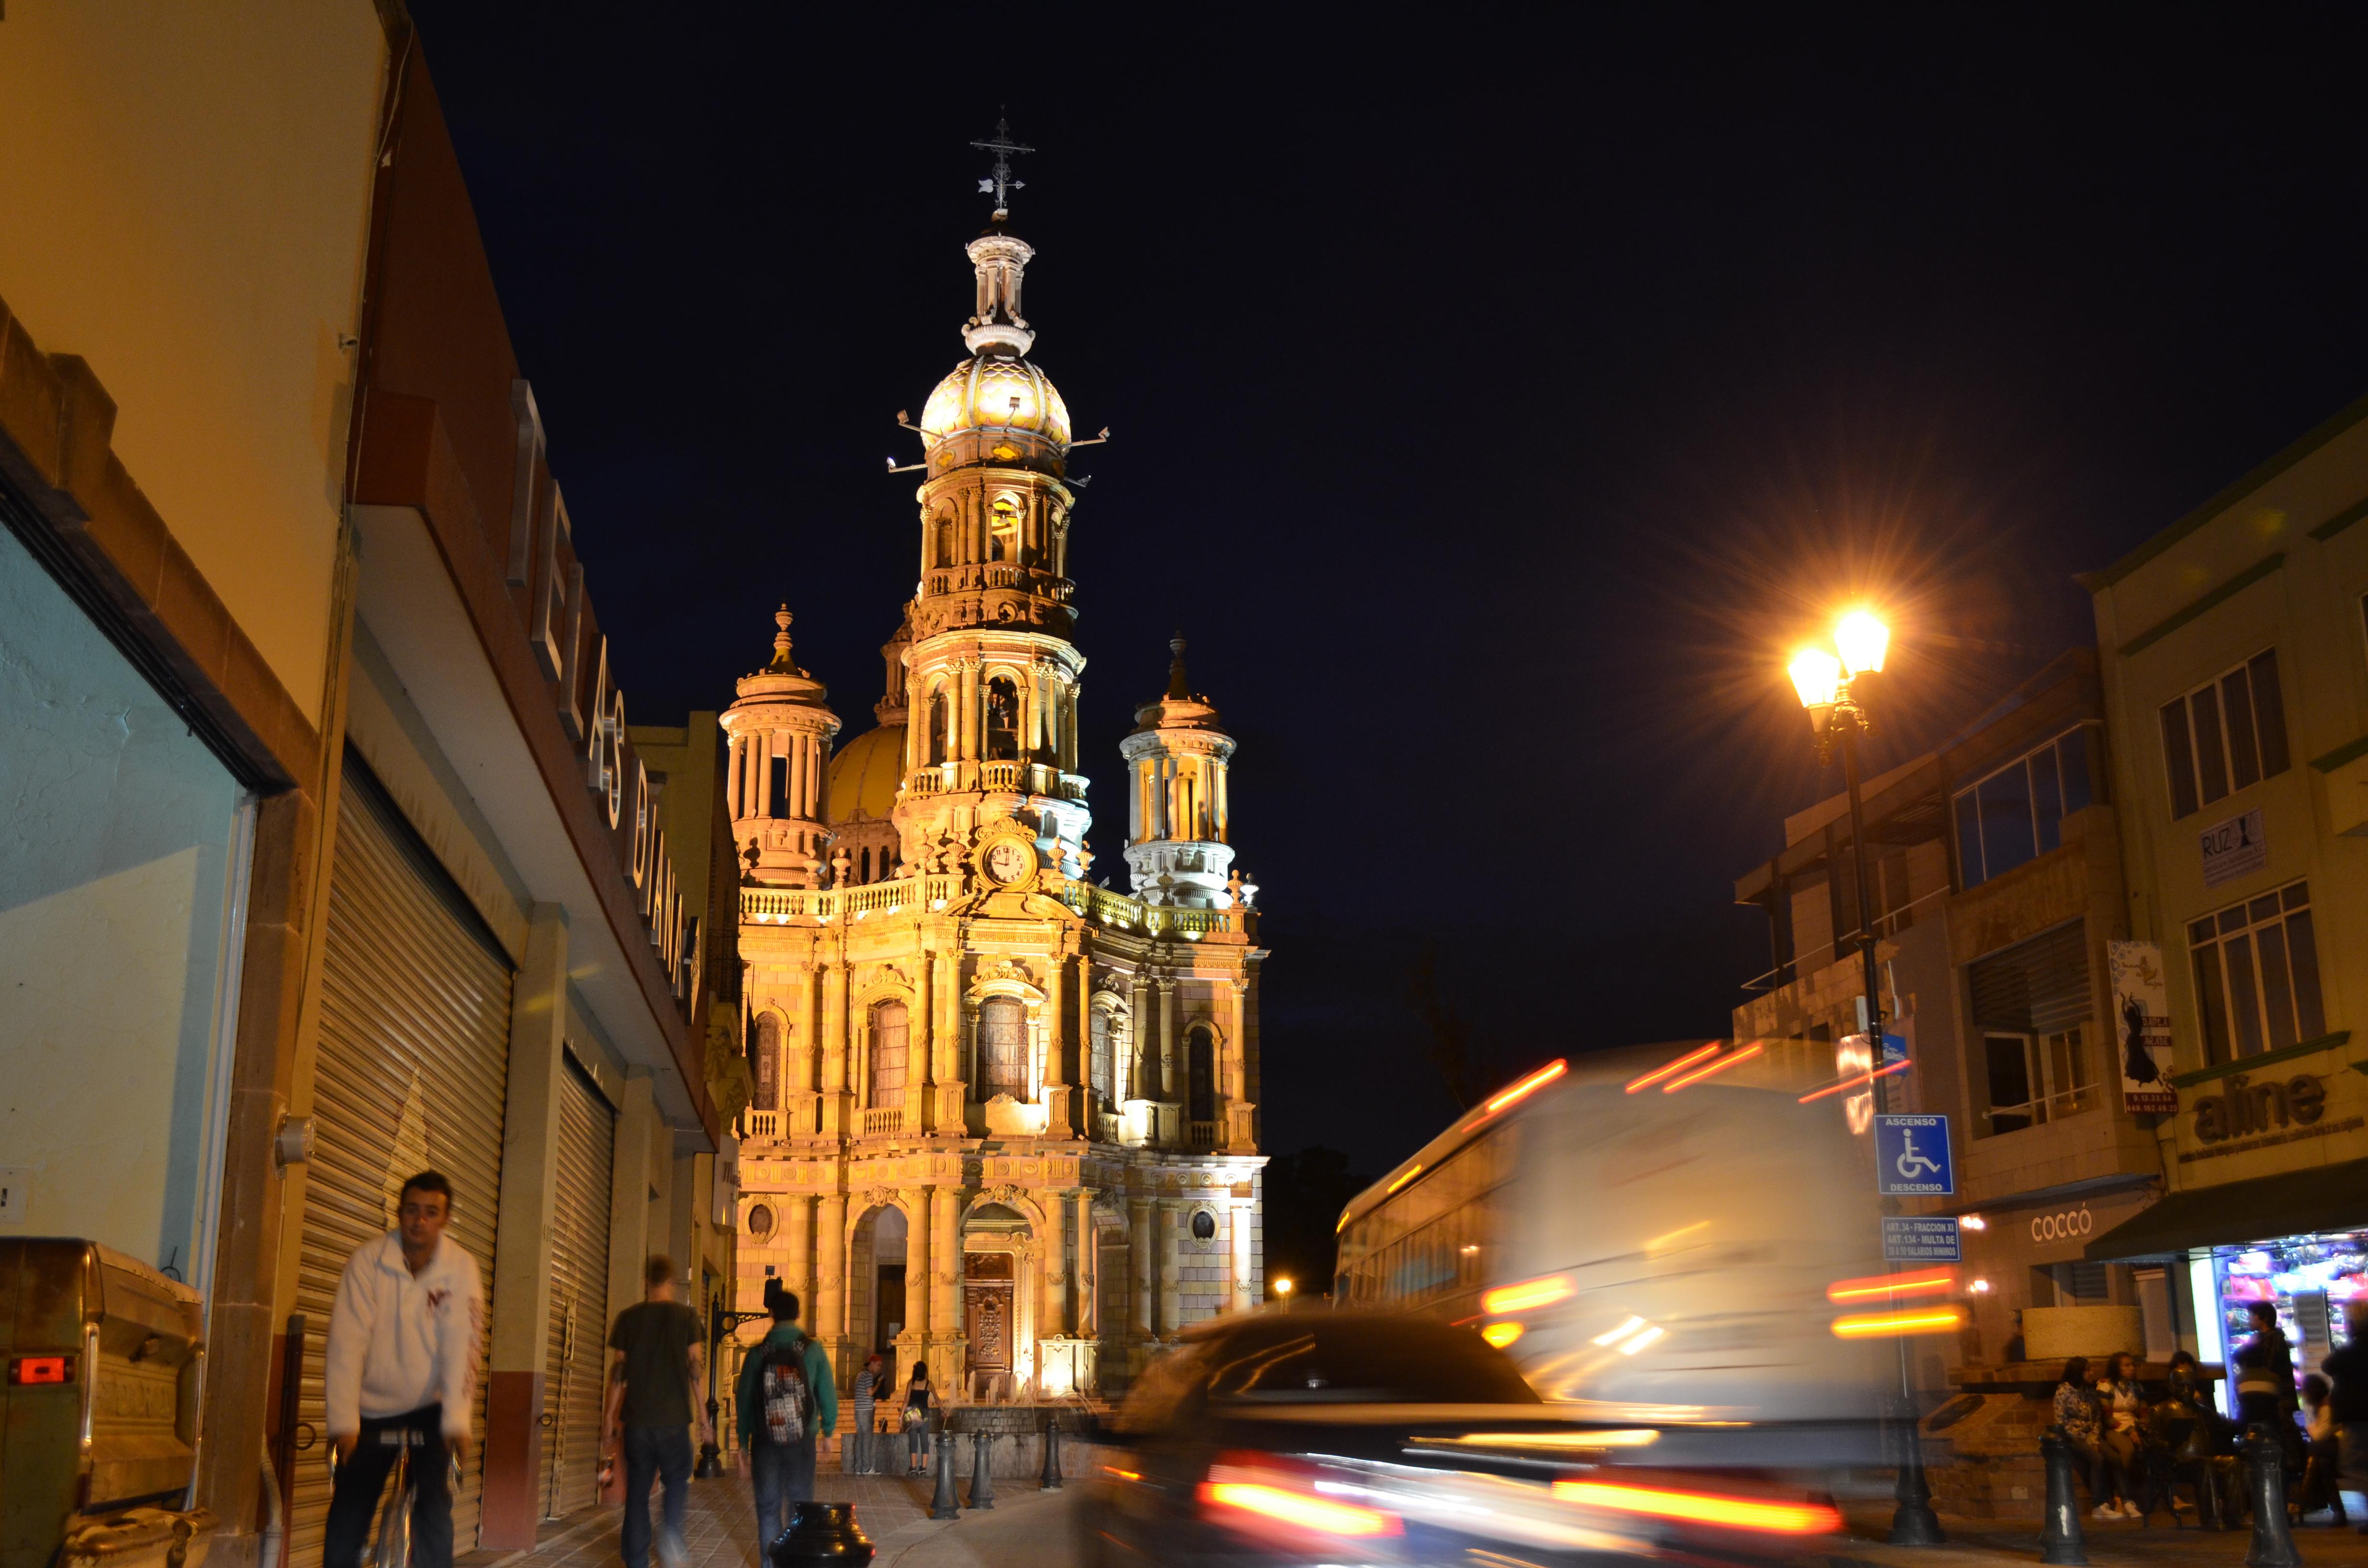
1838 692
1282 1290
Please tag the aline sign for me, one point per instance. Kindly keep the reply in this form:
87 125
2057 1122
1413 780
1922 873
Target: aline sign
2243 1108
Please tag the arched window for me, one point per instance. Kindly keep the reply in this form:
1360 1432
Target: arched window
888 1034
1004 522
938 725
1002 1047
1098 1057
1200 1067
945 553
1002 719
767 1067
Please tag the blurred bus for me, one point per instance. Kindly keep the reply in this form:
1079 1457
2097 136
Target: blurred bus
1685 1237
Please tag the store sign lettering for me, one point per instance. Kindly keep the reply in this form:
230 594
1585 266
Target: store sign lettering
2245 1108
2063 1225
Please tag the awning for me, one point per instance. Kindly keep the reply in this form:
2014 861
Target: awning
2295 1203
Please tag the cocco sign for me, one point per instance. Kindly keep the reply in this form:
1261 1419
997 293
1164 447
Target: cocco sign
2063 1225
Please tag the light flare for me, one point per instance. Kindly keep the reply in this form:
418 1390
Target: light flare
1701 1507
1922 1320
1916 1282
1706 1048
1527 1295
1710 1068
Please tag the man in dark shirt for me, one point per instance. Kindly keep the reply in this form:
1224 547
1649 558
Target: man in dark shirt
655 1366
2347 1402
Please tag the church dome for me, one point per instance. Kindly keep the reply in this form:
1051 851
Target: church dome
979 395
864 775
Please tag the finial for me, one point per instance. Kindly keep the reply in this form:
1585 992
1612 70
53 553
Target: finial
1179 688
1000 185
782 663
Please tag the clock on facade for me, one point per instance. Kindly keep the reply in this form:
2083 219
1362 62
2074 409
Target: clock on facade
1010 861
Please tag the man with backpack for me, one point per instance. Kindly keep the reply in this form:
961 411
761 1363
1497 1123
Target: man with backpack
786 1401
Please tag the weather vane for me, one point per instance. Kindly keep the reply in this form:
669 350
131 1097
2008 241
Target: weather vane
1000 185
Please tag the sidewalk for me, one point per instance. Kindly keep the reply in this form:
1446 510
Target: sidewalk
720 1527
2111 1543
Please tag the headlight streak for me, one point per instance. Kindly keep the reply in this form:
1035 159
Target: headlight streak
1589 1441
1529 1086
1501 1335
1716 1065
1923 1320
1709 1048
1701 1507
1915 1282
1529 1294
1623 1332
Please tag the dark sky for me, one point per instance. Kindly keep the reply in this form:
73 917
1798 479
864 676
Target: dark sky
1496 399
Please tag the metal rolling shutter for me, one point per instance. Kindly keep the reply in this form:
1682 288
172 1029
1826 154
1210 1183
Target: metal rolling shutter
577 1353
2036 986
413 1074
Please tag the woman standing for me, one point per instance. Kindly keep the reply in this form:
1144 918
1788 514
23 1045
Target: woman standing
916 1418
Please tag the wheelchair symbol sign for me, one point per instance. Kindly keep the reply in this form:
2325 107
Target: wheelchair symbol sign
1911 1157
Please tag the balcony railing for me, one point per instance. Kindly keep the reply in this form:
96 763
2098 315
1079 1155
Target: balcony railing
885 1122
1201 1136
1004 775
820 907
764 1124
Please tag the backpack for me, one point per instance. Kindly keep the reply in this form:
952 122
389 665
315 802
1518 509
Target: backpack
782 1394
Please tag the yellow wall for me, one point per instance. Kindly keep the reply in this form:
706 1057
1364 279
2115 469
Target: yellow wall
184 202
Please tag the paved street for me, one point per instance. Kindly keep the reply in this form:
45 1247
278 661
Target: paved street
2115 1544
1025 1526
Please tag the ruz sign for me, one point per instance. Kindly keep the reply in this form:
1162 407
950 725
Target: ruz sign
2246 1115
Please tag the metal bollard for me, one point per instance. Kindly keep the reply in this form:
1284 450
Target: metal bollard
2272 1545
981 1474
1050 1479
2061 1540
942 1504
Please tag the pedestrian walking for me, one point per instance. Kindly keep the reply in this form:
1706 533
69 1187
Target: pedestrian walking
401 1375
917 1396
786 1400
656 1362
2347 1408
867 1391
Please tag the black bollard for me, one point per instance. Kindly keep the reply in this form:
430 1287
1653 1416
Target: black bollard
981 1473
942 1504
2061 1539
1050 1479
821 1535
1913 1523
2272 1545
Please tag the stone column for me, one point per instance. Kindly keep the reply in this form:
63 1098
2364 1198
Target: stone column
918 1265
834 1050
1142 1260
797 1212
1170 1082
1171 1274
808 1053
1052 1317
515 1395
920 1049
829 1321
1142 1077
1241 1287
1089 1268
1057 1047
945 1288
1238 1044
916 732
969 710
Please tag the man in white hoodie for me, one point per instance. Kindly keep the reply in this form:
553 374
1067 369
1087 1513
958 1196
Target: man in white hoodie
403 1371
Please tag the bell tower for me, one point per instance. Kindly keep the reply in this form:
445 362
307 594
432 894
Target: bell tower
991 681
1178 801
776 783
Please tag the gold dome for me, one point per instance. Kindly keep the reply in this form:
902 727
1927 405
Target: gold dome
979 396
864 775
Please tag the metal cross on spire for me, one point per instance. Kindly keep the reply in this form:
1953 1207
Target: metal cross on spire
1000 185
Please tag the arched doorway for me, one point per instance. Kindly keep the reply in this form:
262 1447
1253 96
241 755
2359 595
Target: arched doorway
997 1279
876 1284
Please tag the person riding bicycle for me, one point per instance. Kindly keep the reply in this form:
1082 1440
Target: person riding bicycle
400 1374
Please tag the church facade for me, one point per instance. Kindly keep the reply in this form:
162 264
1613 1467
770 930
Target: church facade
1004 1117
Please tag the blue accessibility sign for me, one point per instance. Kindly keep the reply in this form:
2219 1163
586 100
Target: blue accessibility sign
1915 1238
1911 1157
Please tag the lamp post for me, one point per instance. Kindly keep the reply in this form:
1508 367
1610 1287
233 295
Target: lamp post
1837 693
1283 1291
720 1326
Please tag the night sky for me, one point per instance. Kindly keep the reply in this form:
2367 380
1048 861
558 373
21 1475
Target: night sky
1494 403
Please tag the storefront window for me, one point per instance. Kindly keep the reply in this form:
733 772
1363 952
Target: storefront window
123 858
2309 1279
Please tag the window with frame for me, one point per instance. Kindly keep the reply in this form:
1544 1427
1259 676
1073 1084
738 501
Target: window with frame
2226 735
2257 975
1200 1069
767 1050
2037 1078
1002 1047
891 1030
1097 1058
2016 814
1002 719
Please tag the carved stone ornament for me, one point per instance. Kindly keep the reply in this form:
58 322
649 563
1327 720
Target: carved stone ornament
887 975
1010 972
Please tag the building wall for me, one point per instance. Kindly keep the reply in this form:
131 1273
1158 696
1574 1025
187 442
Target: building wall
2277 562
185 205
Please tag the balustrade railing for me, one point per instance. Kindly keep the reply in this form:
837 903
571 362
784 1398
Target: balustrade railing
1201 1136
884 1121
764 1124
783 906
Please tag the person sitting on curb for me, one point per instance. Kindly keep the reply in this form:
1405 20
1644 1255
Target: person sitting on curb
786 1400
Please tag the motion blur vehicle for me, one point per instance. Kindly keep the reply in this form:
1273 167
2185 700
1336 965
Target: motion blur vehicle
1375 1439
1682 1239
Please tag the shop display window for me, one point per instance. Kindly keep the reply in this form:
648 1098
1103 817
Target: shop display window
2309 1277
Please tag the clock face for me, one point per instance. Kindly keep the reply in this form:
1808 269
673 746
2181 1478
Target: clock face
1010 861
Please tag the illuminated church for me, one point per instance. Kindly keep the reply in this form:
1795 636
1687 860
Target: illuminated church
1004 1117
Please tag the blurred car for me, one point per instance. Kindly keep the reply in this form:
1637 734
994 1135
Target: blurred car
1354 1437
